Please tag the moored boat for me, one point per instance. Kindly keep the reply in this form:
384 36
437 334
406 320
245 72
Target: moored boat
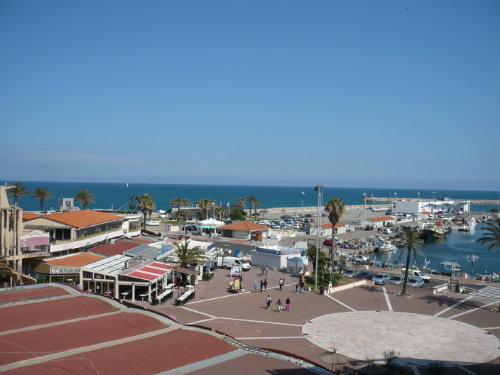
434 233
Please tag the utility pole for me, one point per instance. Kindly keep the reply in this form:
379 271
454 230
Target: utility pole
317 188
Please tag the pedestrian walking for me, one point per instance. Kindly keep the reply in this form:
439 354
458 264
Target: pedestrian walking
268 301
255 285
280 306
287 304
281 283
261 285
265 284
265 269
296 287
262 270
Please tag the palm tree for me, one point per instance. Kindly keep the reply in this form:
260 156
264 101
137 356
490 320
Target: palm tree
188 256
18 191
241 202
335 208
250 199
256 204
205 206
85 197
144 203
42 193
491 237
410 238
179 202
219 211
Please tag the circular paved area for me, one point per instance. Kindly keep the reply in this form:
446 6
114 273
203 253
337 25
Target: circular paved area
418 338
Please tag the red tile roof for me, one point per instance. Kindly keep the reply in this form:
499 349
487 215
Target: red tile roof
246 226
151 271
117 248
382 218
142 240
329 225
84 218
74 260
30 216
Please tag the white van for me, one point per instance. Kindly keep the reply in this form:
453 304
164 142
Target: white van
228 262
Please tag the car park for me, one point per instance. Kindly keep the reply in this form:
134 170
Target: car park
365 275
415 281
381 278
396 279
349 272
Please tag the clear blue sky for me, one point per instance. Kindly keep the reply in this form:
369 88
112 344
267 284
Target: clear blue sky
345 93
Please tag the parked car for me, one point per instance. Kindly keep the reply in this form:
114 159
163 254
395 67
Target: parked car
328 242
396 279
153 223
365 275
349 272
381 278
415 281
417 273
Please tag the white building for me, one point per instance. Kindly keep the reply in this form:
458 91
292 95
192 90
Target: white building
275 257
416 206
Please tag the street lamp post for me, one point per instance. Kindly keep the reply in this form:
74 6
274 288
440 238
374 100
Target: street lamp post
395 199
318 189
364 212
472 259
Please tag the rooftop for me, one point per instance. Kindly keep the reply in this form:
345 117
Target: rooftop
244 226
83 218
118 248
47 334
74 260
382 218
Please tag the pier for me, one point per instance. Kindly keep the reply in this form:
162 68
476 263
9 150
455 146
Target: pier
472 201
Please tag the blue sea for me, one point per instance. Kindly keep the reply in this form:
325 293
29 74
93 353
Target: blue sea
114 195
457 247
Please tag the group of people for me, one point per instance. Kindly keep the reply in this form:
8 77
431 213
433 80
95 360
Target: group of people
263 285
279 303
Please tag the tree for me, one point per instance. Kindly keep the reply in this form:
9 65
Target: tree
219 211
179 202
256 204
250 199
85 197
18 191
143 203
410 238
241 202
238 214
42 193
205 206
335 208
491 237
188 256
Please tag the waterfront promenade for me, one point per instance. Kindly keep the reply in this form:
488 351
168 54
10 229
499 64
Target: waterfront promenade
472 201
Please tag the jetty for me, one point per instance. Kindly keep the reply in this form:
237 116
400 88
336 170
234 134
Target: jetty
393 199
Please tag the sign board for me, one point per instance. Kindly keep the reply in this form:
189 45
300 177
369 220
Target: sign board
235 270
60 271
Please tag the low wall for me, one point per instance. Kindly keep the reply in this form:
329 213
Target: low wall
347 286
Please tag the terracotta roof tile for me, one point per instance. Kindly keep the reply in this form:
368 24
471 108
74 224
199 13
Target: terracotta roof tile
74 260
382 218
84 218
329 225
117 248
246 226
30 216
142 240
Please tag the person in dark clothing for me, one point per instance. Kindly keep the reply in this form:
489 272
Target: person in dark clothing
265 284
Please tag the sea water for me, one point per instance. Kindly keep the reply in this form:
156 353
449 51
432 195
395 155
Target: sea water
456 247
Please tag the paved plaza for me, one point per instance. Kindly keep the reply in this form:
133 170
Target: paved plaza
362 323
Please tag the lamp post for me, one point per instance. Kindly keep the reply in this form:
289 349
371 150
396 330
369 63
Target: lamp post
364 212
317 188
471 259
395 199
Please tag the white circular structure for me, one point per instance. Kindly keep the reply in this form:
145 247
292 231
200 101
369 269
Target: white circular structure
417 338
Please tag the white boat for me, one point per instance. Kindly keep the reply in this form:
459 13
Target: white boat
374 208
